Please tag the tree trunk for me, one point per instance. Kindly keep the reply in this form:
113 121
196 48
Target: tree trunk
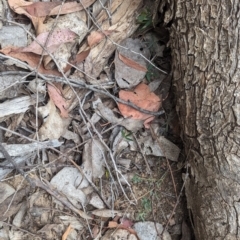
204 38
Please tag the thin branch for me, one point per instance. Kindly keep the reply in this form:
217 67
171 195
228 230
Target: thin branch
21 229
9 158
143 155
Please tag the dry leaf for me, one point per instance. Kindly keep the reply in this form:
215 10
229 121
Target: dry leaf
102 110
96 37
129 62
95 231
67 232
70 181
78 59
54 125
31 58
126 222
38 11
93 159
55 93
72 21
143 98
112 224
122 29
70 7
56 38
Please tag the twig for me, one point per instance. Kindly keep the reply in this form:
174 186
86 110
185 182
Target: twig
35 182
107 11
84 117
52 191
143 155
102 91
91 183
9 158
90 87
23 230
177 202
159 144
116 44
9 205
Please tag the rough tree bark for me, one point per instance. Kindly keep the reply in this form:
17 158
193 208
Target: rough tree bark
206 73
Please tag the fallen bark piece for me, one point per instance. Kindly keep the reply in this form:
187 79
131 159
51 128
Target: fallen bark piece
10 85
107 213
161 147
17 105
69 182
122 25
15 150
12 36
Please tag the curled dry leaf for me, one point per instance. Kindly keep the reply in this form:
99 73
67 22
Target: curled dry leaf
52 42
129 62
143 98
38 11
55 93
31 58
